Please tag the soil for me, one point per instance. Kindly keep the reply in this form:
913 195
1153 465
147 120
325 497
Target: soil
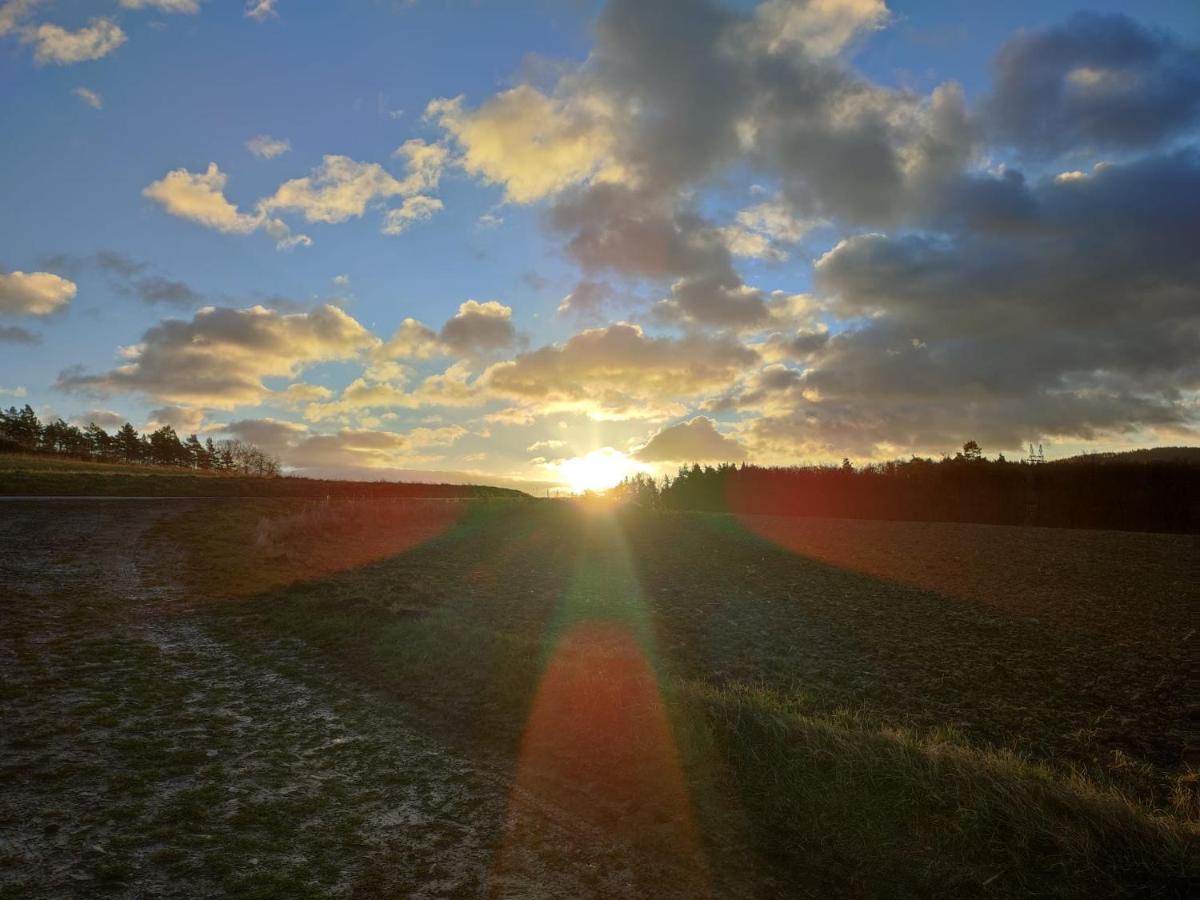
142 755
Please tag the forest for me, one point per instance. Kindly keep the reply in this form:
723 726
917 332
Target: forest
1138 493
21 431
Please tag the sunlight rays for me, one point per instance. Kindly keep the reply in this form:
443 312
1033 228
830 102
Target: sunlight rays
598 470
598 743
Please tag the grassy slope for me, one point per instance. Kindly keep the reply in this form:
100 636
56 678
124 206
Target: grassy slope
1142 455
857 736
32 475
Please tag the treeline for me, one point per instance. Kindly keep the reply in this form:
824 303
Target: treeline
1160 495
22 431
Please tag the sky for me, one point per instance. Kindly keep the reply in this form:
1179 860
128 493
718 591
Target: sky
555 242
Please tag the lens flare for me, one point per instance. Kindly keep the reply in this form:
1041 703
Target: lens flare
598 744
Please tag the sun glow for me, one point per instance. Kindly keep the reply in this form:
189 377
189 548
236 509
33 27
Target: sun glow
597 471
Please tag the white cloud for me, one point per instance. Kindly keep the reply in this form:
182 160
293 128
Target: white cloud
532 144
619 372
184 419
760 229
200 197
424 161
452 387
337 190
821 28
54 44
266 147
260 10
90 97
341 188
540 446
413 209
299 393
17 391
12 12
186 7
34 293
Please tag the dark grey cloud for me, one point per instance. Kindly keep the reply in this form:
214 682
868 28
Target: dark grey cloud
346 451
588 299
974 301
1100 81
696 440
132 278
127 277
633 233
479 328
15 334
1118 243
1084 321
694 88
272 435
800 345
105 418
156 289
666 67
118 263
699 87
220 356
535 281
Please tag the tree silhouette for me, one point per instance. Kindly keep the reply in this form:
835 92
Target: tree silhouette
1156 495
127 444
21 430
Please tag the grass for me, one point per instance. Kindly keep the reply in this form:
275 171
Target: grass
37 475
710 705
841 732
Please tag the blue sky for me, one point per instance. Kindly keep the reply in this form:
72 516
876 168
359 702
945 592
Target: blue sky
183 90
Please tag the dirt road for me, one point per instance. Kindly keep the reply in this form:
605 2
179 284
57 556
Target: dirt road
142 756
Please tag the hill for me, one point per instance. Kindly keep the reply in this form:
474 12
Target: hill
1142 455
48 476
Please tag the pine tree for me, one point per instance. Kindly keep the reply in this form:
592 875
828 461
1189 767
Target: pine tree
22 427
210 455
127 443
99 444
195 452
165 448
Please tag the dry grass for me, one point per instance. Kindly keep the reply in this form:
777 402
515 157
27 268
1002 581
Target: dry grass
291 534
44 475
840 731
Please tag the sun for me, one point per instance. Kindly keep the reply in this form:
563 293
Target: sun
597 471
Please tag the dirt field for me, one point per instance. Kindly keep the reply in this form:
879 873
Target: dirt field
273 698
142 755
